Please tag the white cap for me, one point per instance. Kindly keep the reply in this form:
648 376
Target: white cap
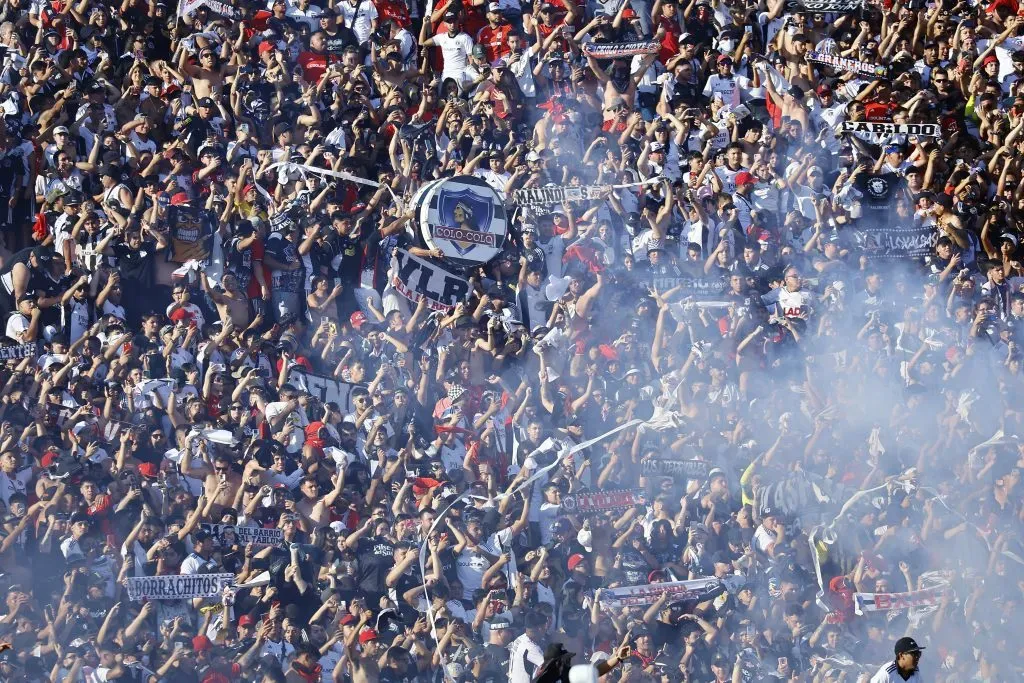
583 673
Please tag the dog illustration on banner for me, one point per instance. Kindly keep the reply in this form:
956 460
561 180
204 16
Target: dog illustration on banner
465 220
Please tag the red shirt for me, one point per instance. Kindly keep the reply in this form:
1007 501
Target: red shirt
670 41
313 66
495 41
397 12
560 44
256 258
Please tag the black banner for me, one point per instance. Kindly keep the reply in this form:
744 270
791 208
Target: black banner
701 286
600 501
694 469
19 351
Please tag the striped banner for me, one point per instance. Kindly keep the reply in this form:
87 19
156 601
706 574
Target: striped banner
616 50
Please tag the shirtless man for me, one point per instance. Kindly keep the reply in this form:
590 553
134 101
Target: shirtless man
209 75
232 304
221 483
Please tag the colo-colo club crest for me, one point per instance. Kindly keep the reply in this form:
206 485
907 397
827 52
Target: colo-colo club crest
878 187
464 218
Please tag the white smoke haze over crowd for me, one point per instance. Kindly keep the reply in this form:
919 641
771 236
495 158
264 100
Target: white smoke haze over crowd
423 341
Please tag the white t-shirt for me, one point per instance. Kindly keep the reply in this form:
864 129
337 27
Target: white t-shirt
762 539
455 51
889 674
793 304
358 18
553 249
17 325
729 88
525 657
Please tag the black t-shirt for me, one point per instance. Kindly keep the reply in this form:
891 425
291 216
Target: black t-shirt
376 558
136 264
351 251
497 660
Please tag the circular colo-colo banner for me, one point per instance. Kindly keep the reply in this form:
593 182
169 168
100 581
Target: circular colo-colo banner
463 217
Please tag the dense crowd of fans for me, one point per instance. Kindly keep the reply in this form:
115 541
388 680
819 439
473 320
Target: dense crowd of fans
212 367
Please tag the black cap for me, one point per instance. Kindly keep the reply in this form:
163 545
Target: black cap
206 102
906 644
42 254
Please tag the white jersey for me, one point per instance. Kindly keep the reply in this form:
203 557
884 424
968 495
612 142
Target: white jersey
525 657
889 674
455 51
359 18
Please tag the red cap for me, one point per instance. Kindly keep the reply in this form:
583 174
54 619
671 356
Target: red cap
745 178
247 189
347 619
823 89
367 635
575 560
628 13
724 58
179 198
988 60
265 46
49 457
357 319
149 470
245 620
201 644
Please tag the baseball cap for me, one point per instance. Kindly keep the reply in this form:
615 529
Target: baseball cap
179 198
745 178
347 619
722 59
367 635
201 644
245 620
149 470
60 129
906 644
500 623
575 561
265 46
823 89
358 319
206 102
479 51
493 7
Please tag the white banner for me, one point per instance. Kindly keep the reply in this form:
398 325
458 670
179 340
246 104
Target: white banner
327 389
221 8
885 602
246 534
417 279
635 596
890 128
178 586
